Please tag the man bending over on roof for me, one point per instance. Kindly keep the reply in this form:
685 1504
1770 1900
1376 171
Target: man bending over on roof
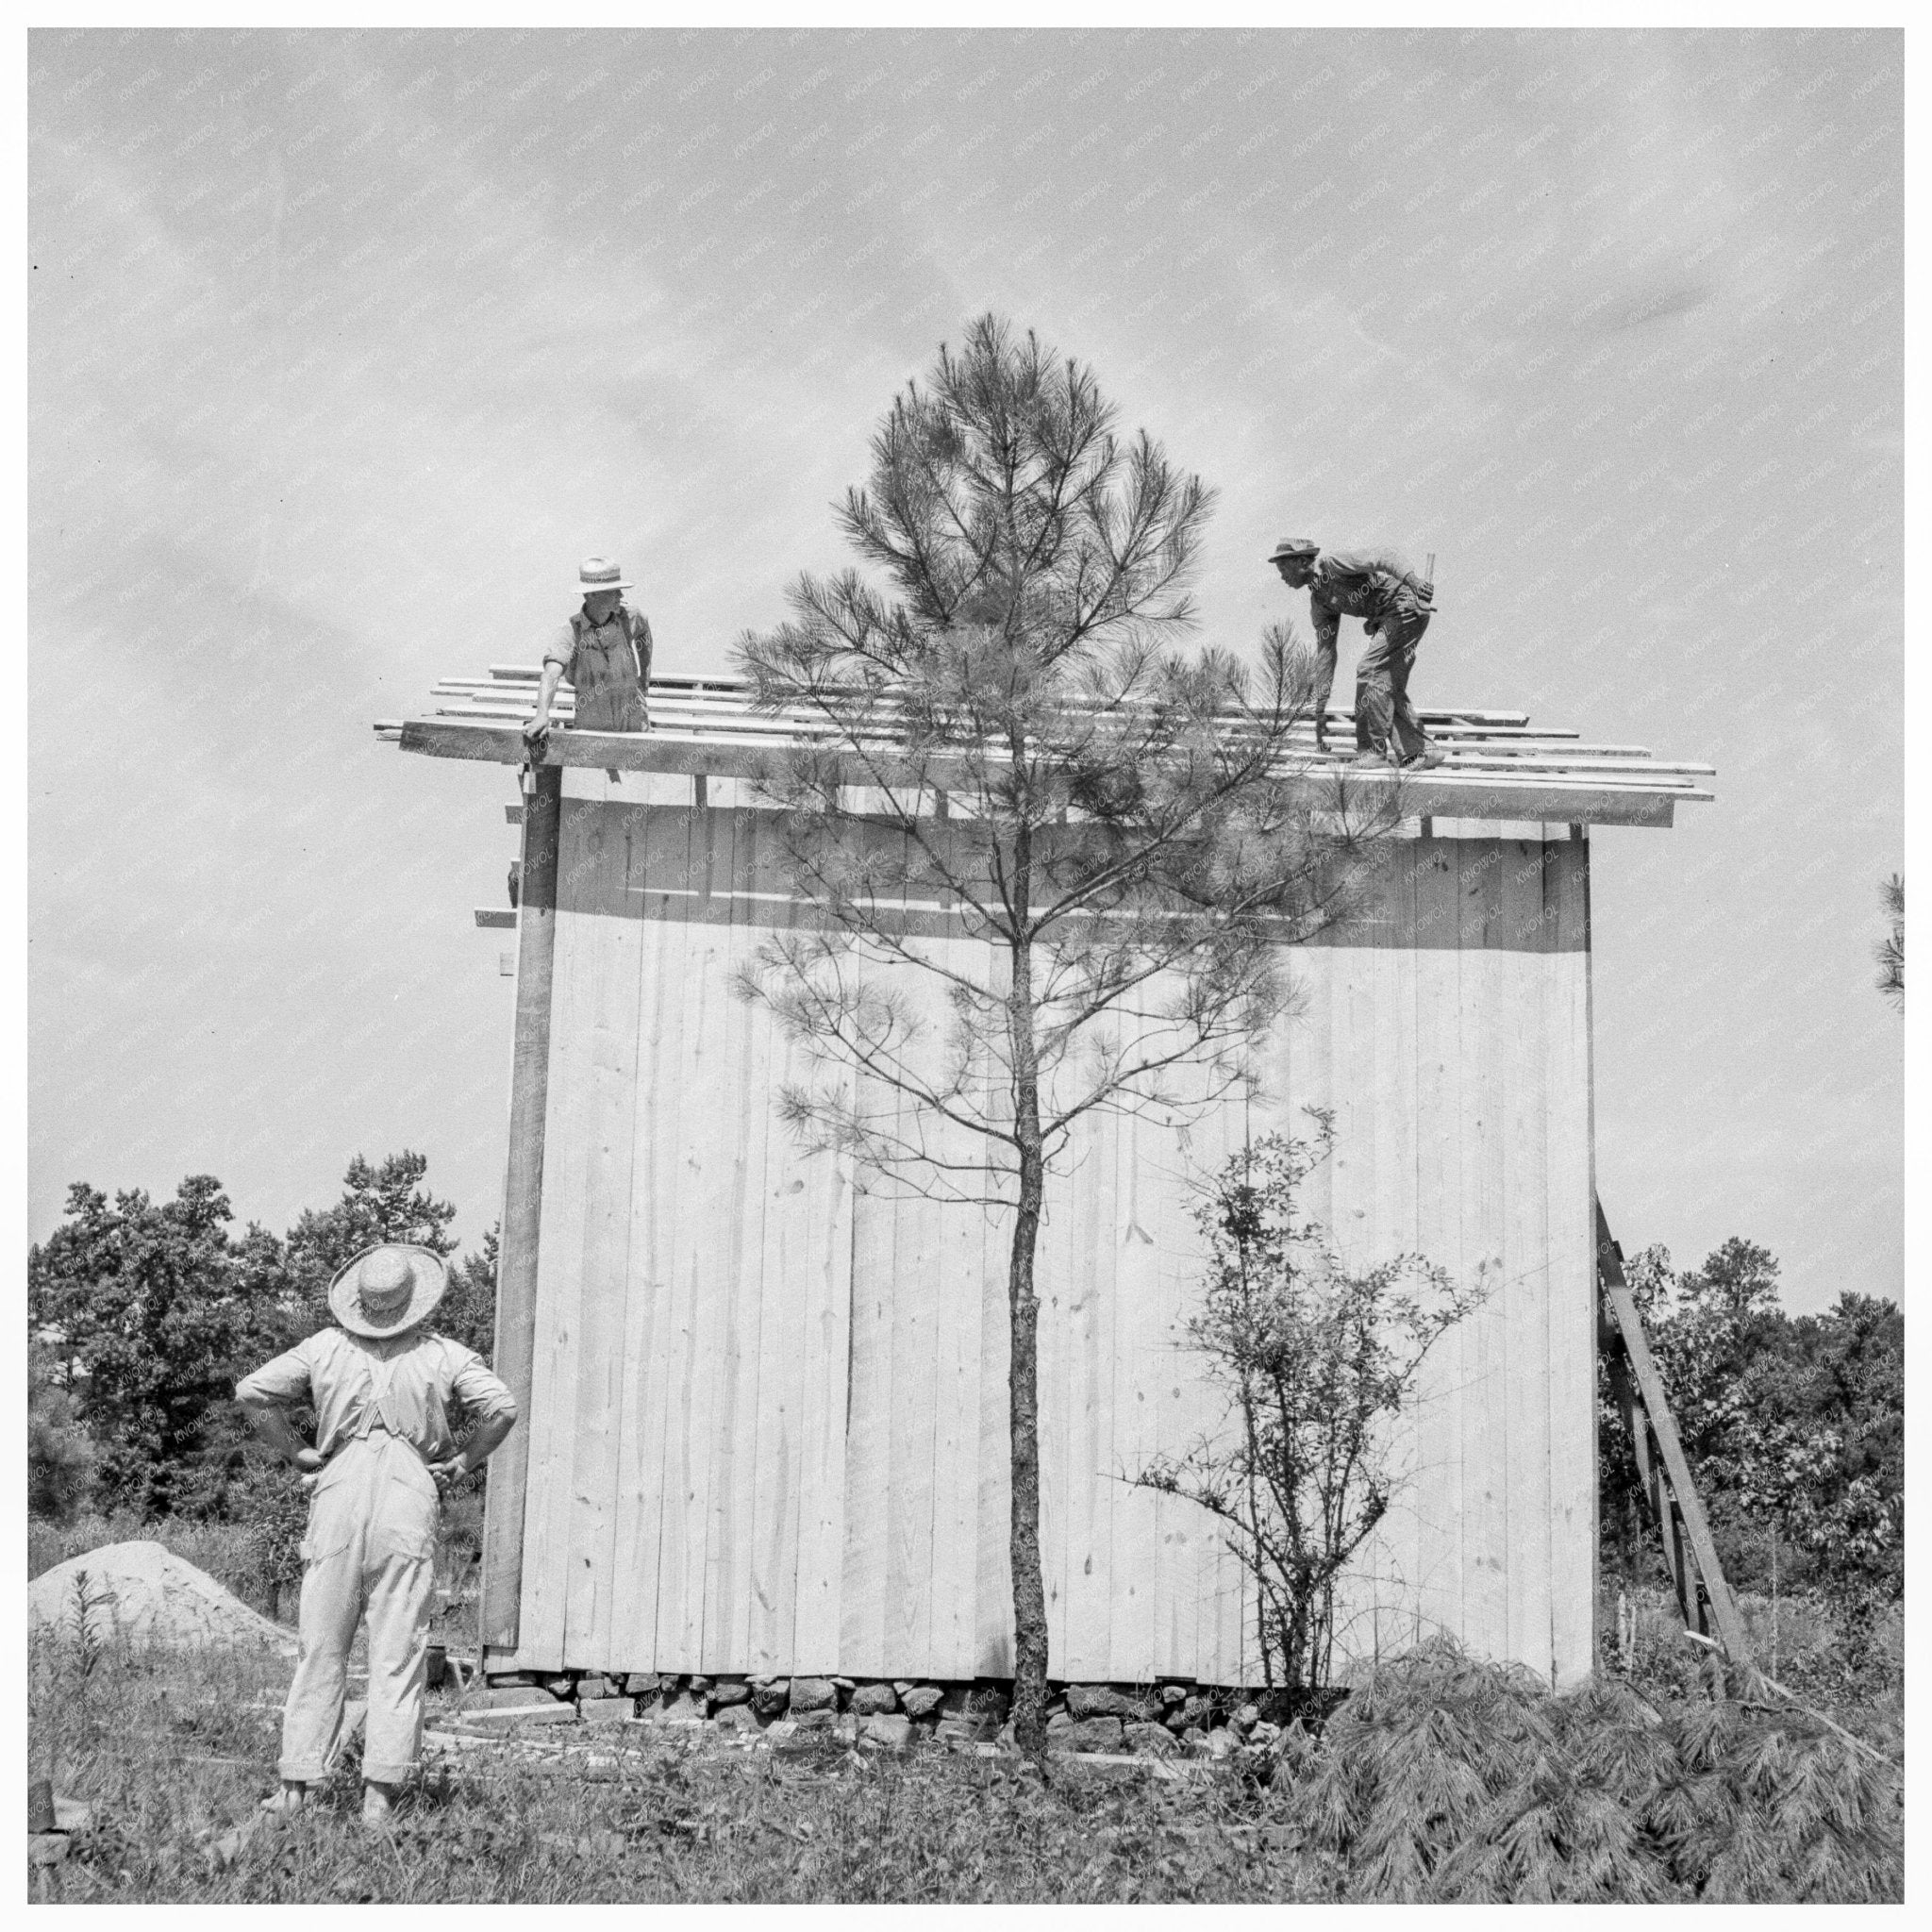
605 653
1393 604
381 1384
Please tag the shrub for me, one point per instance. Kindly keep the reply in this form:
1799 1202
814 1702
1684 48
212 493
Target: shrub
270 1507
1316 1361
60 1455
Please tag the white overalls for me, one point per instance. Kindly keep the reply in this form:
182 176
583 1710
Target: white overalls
381 1419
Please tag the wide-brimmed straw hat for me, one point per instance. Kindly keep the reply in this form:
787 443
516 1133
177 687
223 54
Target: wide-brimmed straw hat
599 574
388 1289
1293 547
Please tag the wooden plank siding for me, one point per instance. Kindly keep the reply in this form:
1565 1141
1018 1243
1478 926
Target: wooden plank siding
1137 1367
607 944
1435 1496
1572 1296
769 1413
663 840
779 1185
1488 1017
552 1418
1525 1251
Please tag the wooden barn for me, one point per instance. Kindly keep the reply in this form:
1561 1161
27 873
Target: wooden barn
765 1411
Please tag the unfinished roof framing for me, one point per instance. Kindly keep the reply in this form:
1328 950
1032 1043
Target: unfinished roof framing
1497 765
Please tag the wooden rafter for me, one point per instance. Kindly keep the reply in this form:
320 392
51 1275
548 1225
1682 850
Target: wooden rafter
1496 766
1554 796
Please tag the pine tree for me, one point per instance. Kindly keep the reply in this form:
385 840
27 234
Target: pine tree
1890 950
1001 740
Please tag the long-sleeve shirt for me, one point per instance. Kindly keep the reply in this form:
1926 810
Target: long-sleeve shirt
1353 583
402 1385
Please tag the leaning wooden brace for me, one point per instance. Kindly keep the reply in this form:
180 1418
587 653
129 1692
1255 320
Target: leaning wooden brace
381 1384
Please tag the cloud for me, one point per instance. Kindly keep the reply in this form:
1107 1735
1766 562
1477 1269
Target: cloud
1653 305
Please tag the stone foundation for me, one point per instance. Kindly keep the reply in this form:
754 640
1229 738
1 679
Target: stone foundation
1151 1720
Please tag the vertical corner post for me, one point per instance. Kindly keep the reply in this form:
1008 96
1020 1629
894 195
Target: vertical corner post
516 1267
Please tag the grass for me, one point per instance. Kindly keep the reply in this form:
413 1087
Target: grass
173 1750
1853 1674
1439 1778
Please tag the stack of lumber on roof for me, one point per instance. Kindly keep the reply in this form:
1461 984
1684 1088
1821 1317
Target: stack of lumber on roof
1497 765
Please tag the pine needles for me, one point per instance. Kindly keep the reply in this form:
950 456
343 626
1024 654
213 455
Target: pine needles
1445 1781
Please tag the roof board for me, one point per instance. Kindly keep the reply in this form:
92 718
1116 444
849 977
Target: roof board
1497 766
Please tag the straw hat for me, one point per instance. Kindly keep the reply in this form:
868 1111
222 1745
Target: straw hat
388 1289
599 574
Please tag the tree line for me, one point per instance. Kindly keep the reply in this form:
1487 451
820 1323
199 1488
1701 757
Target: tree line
1794 1427
142 1315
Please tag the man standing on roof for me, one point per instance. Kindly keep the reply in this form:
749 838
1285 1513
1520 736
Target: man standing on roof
605 654
1394 605
381 1384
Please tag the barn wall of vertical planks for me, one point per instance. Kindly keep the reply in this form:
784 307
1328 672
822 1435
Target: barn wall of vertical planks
766 1422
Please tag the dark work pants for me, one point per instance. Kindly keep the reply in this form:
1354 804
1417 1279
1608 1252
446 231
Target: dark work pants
1385 720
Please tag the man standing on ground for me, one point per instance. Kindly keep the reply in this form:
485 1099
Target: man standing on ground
1394 606
381 1384
605 653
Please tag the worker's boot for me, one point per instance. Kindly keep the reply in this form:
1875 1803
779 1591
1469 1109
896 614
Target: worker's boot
377 1803
291 1799
1369 758
1424 760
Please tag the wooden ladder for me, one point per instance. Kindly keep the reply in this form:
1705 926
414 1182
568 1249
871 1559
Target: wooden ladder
1690 1555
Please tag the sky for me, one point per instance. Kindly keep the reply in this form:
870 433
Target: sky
343 348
